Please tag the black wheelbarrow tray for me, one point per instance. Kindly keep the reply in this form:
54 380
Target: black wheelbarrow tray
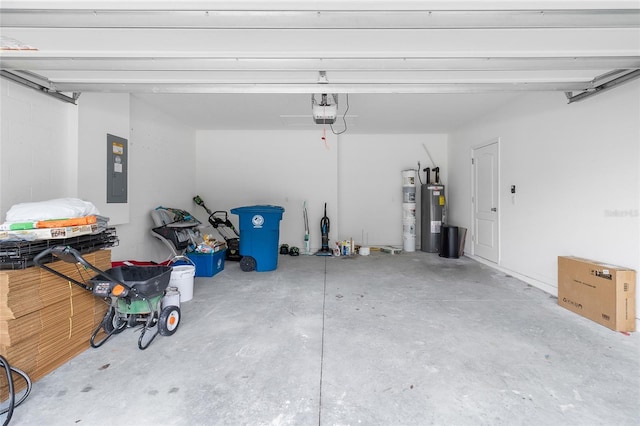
135 295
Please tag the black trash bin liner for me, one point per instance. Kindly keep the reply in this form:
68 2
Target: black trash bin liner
449 242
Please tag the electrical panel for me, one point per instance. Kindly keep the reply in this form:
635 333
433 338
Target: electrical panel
117 164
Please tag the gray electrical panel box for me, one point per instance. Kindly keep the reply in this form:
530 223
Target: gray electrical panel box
432 206
117 163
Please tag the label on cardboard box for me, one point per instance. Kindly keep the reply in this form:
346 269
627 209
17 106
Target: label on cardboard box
601 292
50 233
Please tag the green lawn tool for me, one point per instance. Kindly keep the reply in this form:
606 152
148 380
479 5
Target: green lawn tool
135 295
220 221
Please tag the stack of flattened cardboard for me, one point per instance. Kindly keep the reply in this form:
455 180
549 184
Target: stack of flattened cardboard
46 320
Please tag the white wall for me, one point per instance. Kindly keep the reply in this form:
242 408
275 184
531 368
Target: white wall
245 168
161 173
51 149
576 168
370 183
38 147
100 114
358 176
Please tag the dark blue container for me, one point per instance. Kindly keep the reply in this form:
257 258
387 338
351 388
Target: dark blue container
259 235
207 264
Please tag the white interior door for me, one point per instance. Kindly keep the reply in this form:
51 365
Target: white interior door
485 202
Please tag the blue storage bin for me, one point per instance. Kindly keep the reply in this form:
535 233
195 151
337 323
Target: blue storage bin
259 234
207 264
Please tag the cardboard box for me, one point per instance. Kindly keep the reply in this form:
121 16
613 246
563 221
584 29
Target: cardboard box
603 293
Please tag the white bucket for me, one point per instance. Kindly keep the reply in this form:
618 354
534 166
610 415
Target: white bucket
364 251
409 228
409 177
409 194
409 220
171 297
182 278
409 242
408 210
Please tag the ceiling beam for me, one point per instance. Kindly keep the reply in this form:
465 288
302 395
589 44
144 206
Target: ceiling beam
415 19
118 62
288 88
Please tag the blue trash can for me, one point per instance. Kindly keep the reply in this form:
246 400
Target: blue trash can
259 235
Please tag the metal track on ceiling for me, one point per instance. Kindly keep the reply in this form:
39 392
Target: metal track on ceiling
319 19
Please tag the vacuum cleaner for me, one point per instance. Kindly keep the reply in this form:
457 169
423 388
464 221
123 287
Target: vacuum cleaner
324 230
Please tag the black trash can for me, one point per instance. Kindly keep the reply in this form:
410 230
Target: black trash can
449 242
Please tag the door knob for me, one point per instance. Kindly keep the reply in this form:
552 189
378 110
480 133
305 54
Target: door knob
493 209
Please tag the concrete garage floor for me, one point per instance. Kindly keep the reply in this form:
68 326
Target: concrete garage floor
410 339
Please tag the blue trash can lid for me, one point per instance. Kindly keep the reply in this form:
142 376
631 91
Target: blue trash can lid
258 209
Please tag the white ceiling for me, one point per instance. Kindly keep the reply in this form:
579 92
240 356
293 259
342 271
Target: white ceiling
408 66
368 113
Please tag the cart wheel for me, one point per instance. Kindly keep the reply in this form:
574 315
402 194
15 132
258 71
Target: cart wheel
169 320
248 264
113 323
132 320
